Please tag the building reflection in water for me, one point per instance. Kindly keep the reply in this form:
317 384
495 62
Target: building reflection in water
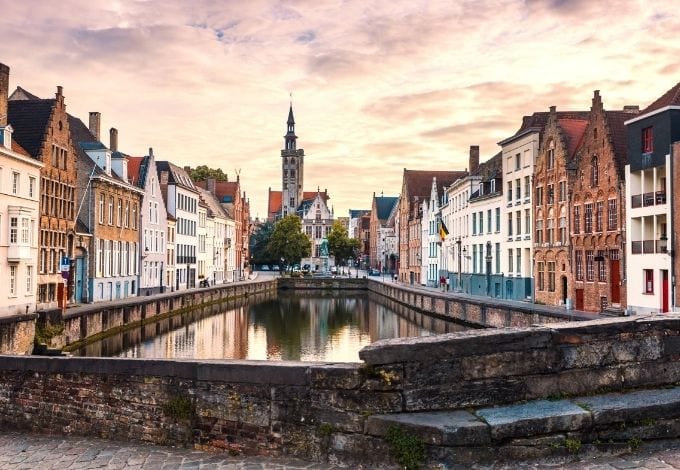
309 326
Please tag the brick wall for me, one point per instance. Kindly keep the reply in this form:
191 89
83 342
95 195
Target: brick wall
17 333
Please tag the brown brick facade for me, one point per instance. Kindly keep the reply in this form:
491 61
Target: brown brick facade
598 213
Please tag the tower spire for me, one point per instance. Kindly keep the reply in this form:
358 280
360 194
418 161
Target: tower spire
290 136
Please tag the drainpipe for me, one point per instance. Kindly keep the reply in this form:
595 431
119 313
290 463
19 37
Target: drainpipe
669 195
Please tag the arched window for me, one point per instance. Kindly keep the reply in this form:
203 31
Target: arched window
551 154
594 171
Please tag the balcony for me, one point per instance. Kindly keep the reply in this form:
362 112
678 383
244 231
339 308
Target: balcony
649 246
17 253
648 199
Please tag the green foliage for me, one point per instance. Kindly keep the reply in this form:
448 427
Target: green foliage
259 242
203 172
45 332
573 445
634 443
179 408
288 242
408 450
326 429
340 245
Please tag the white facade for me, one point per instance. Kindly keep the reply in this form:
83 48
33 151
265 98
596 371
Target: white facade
317 221
648 214
229 251
204 247
519 157
216 240
456 248
430 239
486 237
19 215
170 255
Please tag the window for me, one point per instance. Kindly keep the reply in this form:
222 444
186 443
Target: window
612 218
25 232
110 210
647 140
29 279
498 258
511 259
12 279
590 271
518 264
594 171
509 191
563 191
539 231
579 265
599 215
474 223
541 278
527 221
649 281
551 194
577 219
518 223
488 221
481 222
474 258
31 186
101 208
510 225
13 229
551 276
134 216
527 186
518 189
602 271
119 214
539 196
15 182
551 154
518 162
588 221
550 230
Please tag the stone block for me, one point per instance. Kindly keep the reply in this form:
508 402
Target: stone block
534 418
671 346
346 376
464 394
633 406
449 428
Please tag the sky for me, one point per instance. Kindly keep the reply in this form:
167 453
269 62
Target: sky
377 86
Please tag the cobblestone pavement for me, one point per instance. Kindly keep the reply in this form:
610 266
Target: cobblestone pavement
30 451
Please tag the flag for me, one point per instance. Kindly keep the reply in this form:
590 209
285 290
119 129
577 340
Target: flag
443 231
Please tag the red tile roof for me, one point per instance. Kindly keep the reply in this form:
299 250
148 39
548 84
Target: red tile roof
670 98
274 206
419 182
134 164
19 149
573 130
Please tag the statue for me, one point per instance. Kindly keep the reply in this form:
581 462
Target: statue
323 249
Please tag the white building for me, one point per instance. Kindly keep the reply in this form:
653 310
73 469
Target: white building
455 214
229 250
181 198
217 267
317 221
430 238
19 206
519 156
204 252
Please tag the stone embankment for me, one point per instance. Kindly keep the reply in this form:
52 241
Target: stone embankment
453 398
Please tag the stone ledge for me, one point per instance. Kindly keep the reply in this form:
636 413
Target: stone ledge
633 406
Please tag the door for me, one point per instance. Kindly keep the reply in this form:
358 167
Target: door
664 290
615 276
80 279
579 299
117 290
126 290
564 290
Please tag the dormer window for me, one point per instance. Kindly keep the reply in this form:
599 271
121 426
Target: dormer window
647 140
493 186
6 136
481 189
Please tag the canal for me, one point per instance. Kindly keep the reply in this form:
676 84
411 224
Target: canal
317 325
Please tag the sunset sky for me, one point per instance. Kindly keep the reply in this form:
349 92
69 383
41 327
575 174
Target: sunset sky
377 86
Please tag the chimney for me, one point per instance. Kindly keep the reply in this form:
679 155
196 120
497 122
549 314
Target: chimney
187 168
210 186
553 109
4 92
95 122
151 151
631 108
113 135
474 158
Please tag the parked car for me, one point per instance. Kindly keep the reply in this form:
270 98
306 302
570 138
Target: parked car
265 267
373 272
275 267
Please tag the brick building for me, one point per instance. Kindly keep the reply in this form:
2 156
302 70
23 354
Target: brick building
41 127
380 257
597 222
561 139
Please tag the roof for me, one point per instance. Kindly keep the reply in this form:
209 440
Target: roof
29 119
384 205
356 213
16 148
490 169
619 136
538 120
176 175
419 182
670 98
215 209
22 94
83 139
275 197
134 168
572 130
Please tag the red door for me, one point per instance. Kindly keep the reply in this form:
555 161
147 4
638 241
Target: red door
664 290
615 279
579 299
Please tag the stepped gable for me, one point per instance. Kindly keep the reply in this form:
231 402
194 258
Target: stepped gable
29 119
670 98
419 182
274 206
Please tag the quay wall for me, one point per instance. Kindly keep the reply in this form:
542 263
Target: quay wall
320 410
17 333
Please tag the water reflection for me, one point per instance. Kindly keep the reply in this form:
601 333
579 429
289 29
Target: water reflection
309 326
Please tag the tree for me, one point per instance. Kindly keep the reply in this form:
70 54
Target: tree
259 242
288 242
203 172
340 245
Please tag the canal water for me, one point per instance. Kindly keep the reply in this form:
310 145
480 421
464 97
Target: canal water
300 326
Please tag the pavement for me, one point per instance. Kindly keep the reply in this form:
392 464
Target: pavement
30 451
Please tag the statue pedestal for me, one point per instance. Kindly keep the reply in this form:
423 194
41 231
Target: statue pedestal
324 264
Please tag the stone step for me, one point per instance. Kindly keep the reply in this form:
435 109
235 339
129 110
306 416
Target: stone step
535 418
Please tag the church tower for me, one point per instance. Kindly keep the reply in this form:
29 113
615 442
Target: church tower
292 165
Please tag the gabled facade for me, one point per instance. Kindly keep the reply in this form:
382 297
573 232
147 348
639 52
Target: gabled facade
181 200
597 223
109 213
41 127
317 221
219 232
19 212
553 176
153 225
380 256
652 197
